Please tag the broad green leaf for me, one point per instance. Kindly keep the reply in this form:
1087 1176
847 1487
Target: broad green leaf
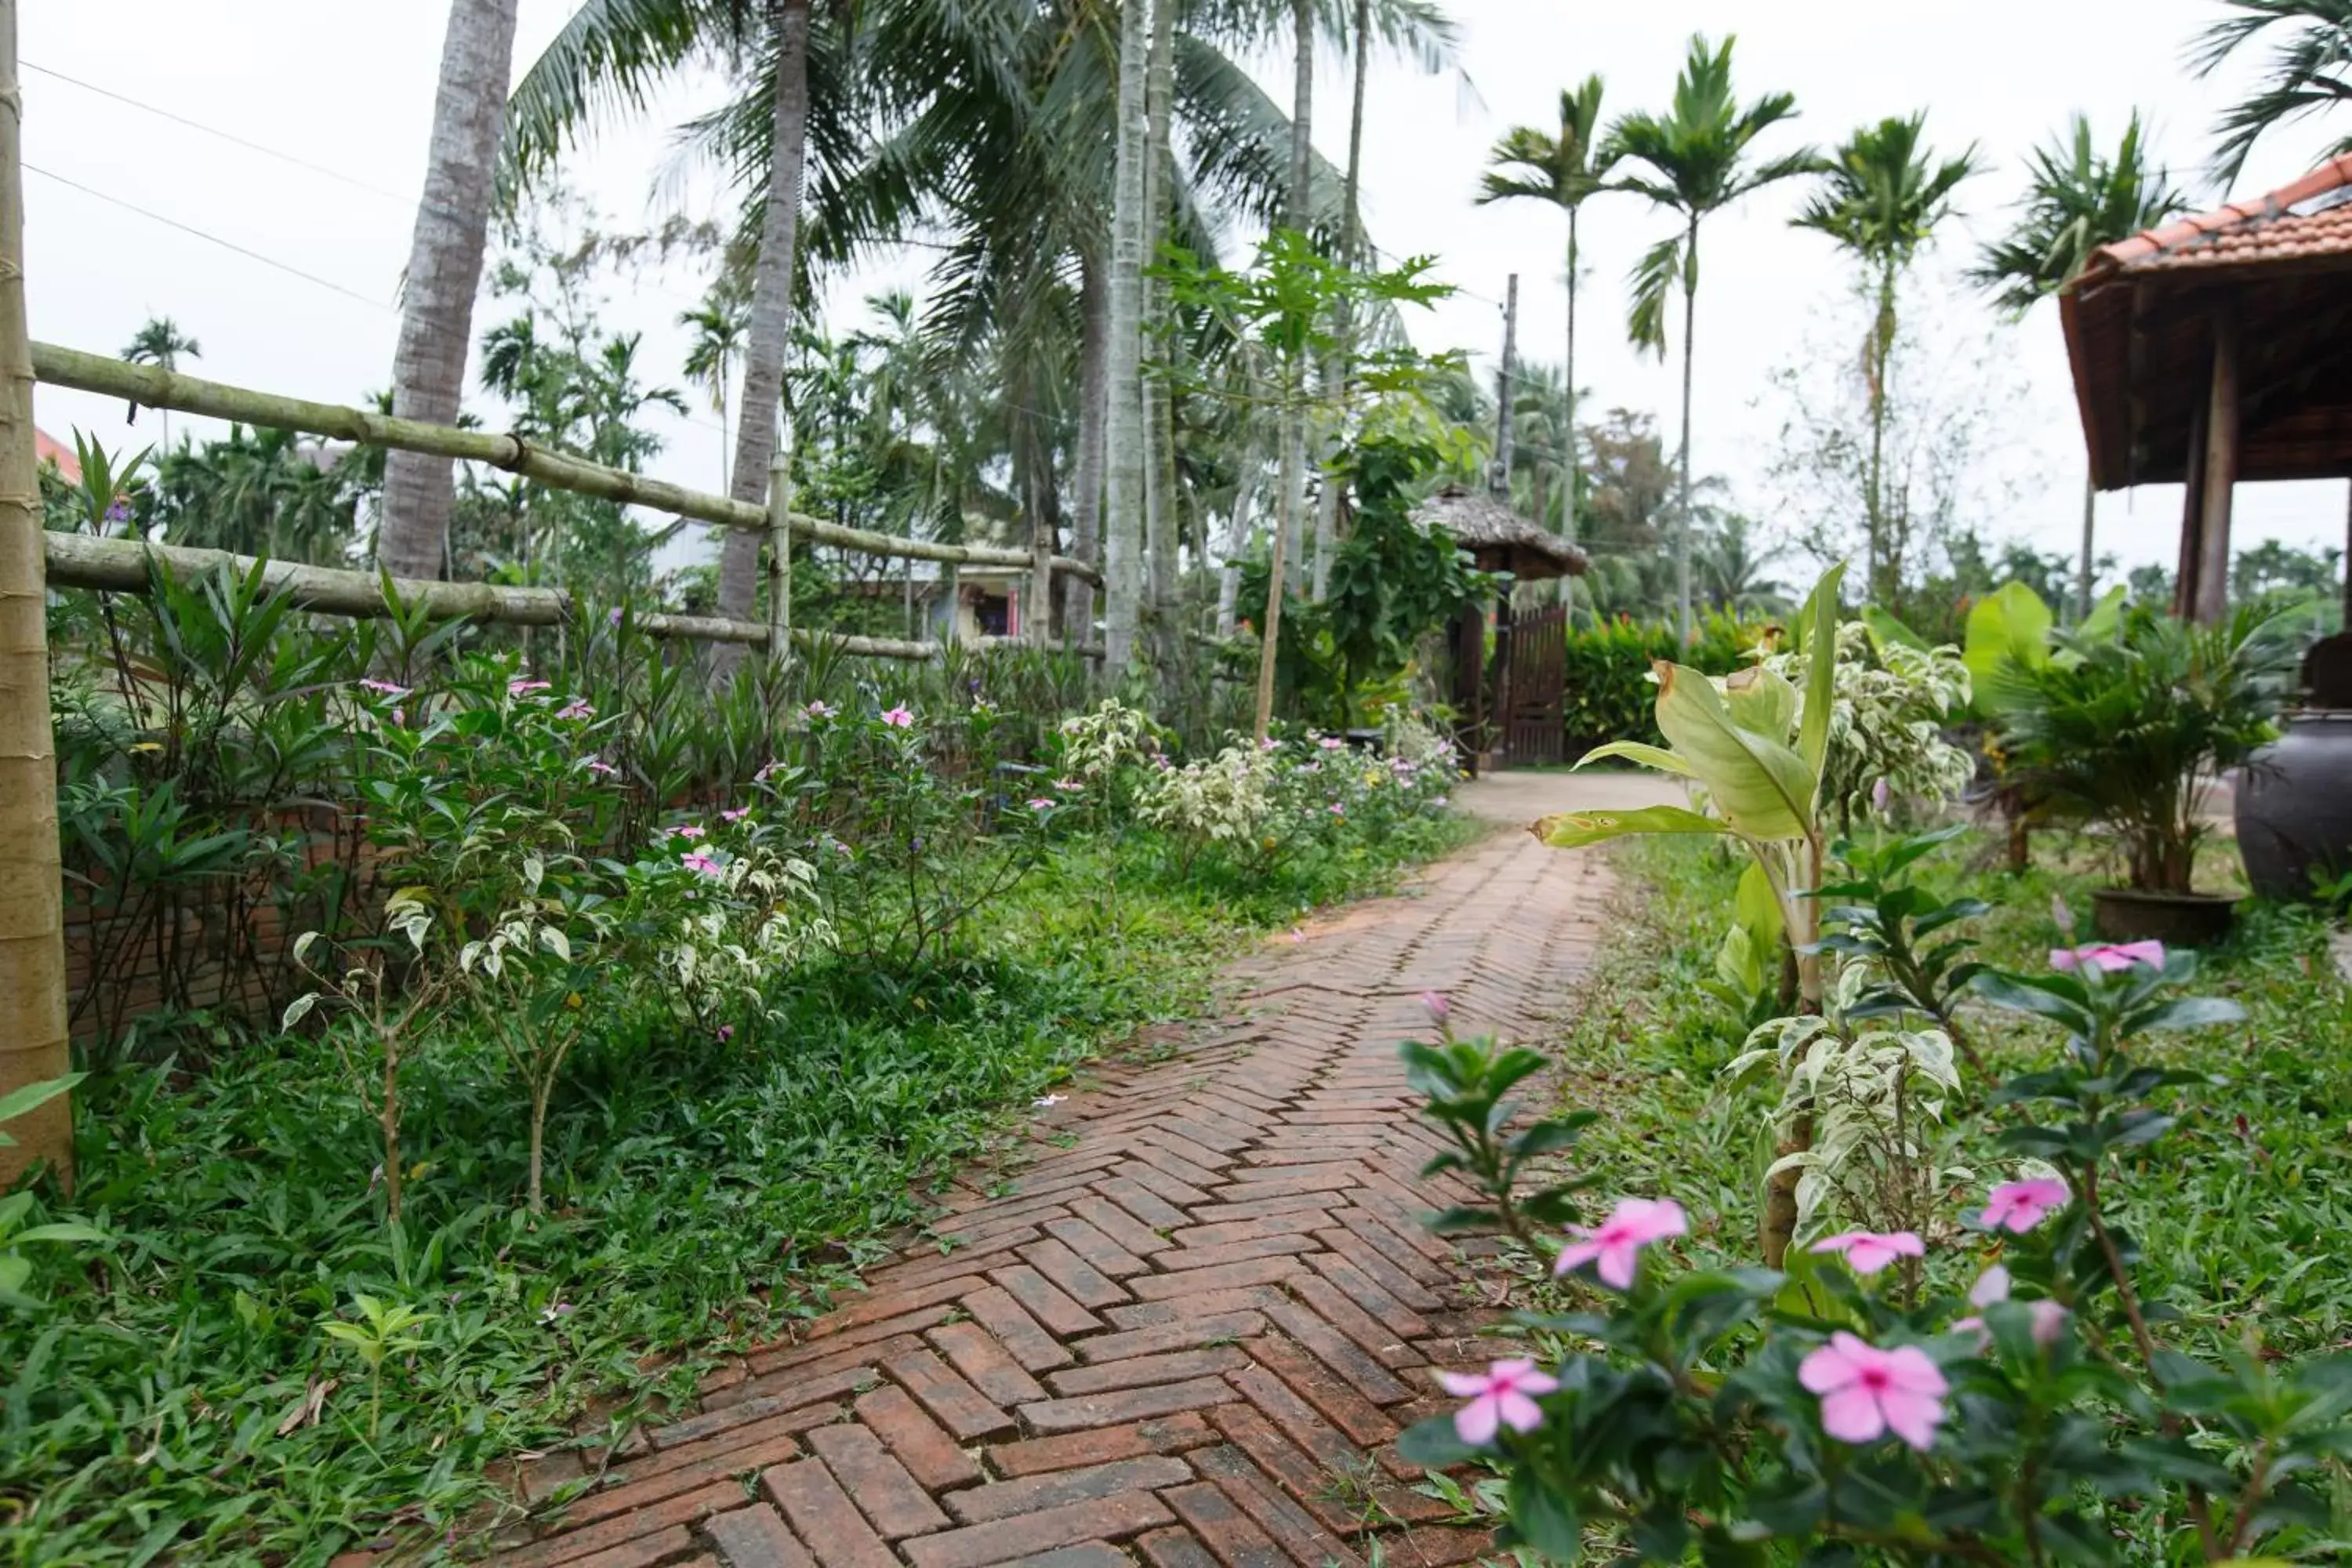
61 1231
1568 830
2008 624
33 1095
1544 1518
1757 907
2105 617
1762 700
1763 789
1817 638
1887 632
1656 757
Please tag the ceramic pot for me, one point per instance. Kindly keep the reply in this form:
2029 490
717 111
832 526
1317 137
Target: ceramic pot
2176 920
2295 805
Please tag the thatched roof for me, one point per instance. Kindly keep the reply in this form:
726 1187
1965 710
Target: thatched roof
1500 538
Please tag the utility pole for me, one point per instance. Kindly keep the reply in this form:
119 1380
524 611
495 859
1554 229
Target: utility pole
1498 479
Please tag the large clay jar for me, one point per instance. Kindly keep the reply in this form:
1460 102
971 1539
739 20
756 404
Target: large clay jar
2295 805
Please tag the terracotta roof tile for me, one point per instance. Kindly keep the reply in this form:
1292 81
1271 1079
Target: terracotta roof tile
2264 228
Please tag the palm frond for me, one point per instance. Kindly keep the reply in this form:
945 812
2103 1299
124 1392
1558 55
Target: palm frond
1654 278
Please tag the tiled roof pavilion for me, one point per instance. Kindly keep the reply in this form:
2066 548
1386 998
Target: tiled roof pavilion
2218 348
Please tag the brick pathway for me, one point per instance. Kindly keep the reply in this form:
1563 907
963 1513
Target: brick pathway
1185 1335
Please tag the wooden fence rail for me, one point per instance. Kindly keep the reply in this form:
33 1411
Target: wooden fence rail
154 387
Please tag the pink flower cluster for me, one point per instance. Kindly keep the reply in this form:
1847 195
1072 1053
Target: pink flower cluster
385 687
600 767
1614 1247
521 688
690 830
696 860
2107 957
735 813
1867 1252
2018 1207
1502 1395
1866 1391
575 709
899 718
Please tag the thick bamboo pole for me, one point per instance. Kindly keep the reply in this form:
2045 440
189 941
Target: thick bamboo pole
159 388
32 1047
120 565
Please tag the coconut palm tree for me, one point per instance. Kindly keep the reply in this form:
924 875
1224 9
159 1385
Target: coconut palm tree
445 271
2309 72
1696 162
2078 199
162 344
718 324
1565 169
1881 198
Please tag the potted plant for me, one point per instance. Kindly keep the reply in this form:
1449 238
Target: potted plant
2127 731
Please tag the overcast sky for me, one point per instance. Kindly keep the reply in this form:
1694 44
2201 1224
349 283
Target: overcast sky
347 86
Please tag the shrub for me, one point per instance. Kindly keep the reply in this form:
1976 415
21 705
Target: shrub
1609 694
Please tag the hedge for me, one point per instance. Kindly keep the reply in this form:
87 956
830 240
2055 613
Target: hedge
1610 695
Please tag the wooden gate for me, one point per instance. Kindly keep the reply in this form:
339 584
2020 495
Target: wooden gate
1530 705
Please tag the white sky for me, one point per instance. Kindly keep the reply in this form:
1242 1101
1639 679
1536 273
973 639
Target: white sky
348 85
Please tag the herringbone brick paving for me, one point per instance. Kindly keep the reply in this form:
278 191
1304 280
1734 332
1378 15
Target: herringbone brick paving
1187 1333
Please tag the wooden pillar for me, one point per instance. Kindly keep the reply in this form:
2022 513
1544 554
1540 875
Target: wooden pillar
32 1046
1470 682
2192 516
780 548
2212 602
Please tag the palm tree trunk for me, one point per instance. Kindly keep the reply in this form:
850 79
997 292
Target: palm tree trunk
444 269
1296 215
1162 516
1338 368
1682 509
1094 375
1123 432
1237 526
1568 501
1882 350
768 329
2090 523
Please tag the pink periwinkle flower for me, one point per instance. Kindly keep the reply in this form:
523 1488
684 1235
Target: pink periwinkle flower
899 718
1502 1395
690 830
1866 1391
1439 801
726 1032
694 860
575 709
1439 1007
600 767
1335 809
1269 744
2108 957
521 688
1041 804
612 617
735 813
385 687
1069 786
399 715
822 710
1882 796
2049 1317
767 773
1867 1252
1330 742
1615 1245
2018 1207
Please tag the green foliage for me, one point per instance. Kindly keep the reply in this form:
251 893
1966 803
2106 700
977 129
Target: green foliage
1886 743
1609 693
2124 729
1466 1084
1879 916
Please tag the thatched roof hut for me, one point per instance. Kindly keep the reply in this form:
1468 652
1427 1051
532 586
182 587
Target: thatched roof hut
1499 539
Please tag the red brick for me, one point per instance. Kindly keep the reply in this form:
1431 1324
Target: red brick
955 1403
1298 1533
1311 1485
826 1351
1337 1176
1145 1204
919 1443
1136 1372
781 1382
876 1308
1127 1404
1165 1135
1182 1334
1163 1434
1059 1488
1039 1298
1338 1352
995 1309
1028 1534
1155 1183
727 1417
1175 1549
646 1551
1232 1276
876 1482
822 1516
1291 1222
669 1514
1441 1548
1405 1285
1359 1287
1224 1528
756 1537
985 1363
1189 1256
1129 1232
1299 1422
1187 1308
1085 1554
1101 1252
677 1470
1073 1276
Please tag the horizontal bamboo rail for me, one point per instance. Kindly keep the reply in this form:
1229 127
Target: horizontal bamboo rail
157 388
120 565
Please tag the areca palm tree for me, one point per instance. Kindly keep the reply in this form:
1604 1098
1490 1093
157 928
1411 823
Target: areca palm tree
1565 169
719 324
2078 199
160 343
1881 198
2309 73
1696 158
445 271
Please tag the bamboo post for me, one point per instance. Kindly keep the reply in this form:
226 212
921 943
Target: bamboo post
780 548
32 1047
2221 428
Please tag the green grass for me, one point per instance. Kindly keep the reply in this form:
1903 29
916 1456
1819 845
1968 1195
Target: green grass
703 1195
2240 1210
